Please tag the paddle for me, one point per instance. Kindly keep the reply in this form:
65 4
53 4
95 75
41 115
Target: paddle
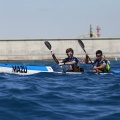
83 47
48 45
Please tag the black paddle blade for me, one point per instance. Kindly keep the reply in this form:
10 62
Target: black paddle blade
48 45
81 43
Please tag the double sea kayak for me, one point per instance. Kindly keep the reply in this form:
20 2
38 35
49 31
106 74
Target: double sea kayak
29 70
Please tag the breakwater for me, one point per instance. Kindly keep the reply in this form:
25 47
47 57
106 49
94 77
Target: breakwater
34 49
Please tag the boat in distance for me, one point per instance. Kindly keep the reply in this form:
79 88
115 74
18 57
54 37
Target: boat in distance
29 70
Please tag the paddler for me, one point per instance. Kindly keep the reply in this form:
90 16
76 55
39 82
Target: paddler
72 63
100 63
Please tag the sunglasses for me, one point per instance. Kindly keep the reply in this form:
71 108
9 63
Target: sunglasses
98 55
69 54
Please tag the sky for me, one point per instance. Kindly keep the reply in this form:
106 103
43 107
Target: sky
47 19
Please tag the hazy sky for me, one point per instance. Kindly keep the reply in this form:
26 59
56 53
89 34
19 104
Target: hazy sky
58 18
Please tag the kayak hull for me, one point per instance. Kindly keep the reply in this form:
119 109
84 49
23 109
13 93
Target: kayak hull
29 70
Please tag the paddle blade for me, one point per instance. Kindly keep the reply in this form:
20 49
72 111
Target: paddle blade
48 45
81 43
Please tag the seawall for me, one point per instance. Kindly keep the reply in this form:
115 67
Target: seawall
35 49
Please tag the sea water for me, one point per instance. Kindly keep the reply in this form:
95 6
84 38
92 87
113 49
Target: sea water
55 96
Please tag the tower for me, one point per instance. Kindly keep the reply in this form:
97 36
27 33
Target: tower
91 33
98 31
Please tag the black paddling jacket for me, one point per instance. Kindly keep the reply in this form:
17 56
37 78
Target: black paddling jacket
73 59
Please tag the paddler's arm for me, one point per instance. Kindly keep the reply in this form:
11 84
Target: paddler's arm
100 67
67 63
87 61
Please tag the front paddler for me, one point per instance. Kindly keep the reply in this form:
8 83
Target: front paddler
72 63
101 65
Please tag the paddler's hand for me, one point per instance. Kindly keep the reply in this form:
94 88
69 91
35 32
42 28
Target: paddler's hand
95 67
52 52
60 64
86 54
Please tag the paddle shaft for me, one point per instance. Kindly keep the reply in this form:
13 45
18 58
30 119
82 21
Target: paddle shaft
54 58
48 45
83 47
88 56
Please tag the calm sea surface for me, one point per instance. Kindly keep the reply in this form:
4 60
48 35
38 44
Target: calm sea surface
55 96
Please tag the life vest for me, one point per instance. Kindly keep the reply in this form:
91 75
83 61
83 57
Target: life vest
107 67
77 69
